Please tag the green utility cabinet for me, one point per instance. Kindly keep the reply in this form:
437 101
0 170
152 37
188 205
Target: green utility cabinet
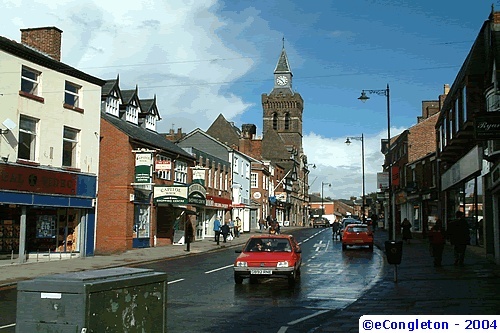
118 300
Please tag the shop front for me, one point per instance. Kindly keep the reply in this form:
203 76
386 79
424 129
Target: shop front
177 205
45 214
215 207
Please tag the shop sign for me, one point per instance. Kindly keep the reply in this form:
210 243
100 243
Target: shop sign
395 175
464 168
487 127
199 175
170 194
143 162
197 194
36 180
163 165
217 202
382 180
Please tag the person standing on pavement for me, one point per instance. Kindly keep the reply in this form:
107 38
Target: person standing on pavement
217 230
231 228
459 234
224 229
406 227
237 226
437 239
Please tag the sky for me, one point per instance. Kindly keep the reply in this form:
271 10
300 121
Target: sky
202 58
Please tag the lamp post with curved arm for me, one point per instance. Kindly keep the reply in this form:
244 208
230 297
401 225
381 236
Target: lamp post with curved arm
363 98
348 142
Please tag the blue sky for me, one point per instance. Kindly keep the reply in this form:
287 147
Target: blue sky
202 58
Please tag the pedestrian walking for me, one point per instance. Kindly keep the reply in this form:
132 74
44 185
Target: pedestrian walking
336 229
189 235
437 240
237 227
217 230
224 229
261 224
459 235
231 228
406 230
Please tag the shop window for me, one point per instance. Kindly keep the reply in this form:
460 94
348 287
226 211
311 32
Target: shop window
141 221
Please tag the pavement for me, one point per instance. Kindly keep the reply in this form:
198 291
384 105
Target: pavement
417 288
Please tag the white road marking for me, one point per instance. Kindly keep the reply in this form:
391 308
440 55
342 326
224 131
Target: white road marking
307 317
175 281
218 269
7 326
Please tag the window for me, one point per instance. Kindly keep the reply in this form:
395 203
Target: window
30 80
181 172
464 104
235 165
287 121
112 105
27 138
70 147
209 178
253 180
275 121
72 94
456 116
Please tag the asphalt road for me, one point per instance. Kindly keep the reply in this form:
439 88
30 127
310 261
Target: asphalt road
202 295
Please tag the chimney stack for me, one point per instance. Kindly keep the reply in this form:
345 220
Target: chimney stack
46 40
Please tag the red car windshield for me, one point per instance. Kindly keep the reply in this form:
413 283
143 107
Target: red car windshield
268 245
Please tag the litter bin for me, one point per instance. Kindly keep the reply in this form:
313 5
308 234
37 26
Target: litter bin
105 300
394 252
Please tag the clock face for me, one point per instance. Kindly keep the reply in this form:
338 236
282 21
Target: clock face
281 80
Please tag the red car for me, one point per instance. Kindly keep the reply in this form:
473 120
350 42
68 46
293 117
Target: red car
357 234
268 256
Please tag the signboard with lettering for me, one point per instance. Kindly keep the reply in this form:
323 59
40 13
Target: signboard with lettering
487 126
197 194
176 194
26 179
143 163
382 180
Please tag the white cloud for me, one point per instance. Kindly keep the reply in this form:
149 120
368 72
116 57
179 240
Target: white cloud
341 165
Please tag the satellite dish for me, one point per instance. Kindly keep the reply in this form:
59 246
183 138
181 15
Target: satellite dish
9 124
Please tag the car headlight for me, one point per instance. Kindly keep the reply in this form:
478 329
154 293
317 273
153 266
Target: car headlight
282 264
241 264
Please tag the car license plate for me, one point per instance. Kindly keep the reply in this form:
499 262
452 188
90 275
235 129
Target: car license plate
358 241
261 271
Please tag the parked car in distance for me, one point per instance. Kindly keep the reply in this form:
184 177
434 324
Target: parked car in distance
345 222
268 256
321 222
357 235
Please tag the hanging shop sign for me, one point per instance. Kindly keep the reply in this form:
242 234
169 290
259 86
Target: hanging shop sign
170 194
199 175
382 180
197 194
143 163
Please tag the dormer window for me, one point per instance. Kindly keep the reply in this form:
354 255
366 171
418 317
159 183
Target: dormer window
132 114
112 105
151 122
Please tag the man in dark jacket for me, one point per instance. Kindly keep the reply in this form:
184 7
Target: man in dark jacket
224 231
459 234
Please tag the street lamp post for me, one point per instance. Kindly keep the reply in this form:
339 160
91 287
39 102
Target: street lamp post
363 98
322 205
348 142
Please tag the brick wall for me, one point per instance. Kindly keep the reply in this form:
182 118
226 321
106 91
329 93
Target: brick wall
46 40
115 212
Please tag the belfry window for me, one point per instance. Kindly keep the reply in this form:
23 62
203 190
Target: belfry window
287 121
275 121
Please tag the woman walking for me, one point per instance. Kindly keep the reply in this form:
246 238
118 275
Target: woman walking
406 226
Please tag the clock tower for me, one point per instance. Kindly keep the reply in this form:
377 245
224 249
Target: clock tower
283 108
